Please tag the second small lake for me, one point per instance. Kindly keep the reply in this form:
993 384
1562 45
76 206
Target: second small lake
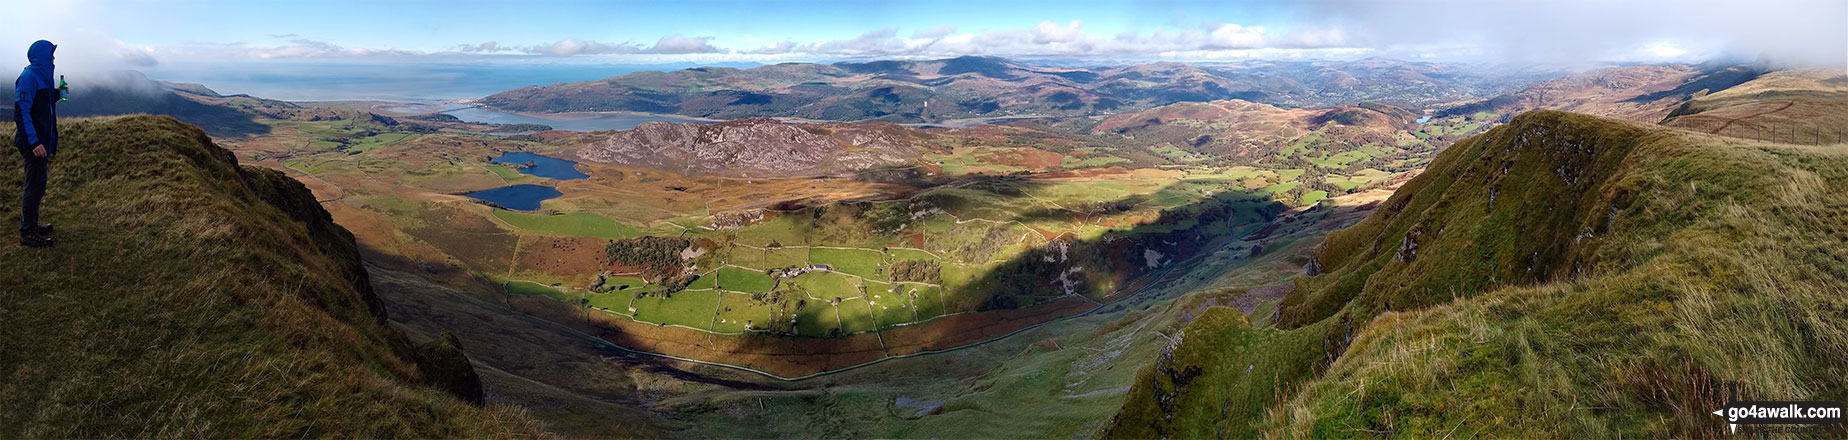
542 166
518 197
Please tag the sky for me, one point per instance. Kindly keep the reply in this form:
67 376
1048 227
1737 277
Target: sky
146 33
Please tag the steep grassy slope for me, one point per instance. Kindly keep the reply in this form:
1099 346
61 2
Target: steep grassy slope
191 297
1562 274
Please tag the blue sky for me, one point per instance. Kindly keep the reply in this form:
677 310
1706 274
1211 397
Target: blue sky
441 25
146 33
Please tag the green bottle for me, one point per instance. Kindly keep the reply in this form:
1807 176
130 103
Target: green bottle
64 90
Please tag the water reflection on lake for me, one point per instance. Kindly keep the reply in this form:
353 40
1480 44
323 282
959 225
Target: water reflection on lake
547 167
518 197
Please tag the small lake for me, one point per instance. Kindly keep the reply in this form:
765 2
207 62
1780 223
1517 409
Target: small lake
547 167
518 197
565 121
1424 119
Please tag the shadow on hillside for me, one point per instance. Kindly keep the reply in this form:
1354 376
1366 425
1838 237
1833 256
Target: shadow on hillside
1049 281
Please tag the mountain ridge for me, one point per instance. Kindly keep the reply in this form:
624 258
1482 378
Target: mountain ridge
973 87
280 336
1619 274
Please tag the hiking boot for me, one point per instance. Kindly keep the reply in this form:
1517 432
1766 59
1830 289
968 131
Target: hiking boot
34 241
44 230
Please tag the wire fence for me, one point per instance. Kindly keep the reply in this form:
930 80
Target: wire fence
1783 132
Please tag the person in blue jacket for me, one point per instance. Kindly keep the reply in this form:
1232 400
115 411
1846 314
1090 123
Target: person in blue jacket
36 137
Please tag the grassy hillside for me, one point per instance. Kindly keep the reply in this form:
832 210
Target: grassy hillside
1562 274
188 296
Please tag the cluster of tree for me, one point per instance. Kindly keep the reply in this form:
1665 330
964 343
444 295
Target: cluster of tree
996 239
885 218
659 257
922 271
1096 207
677 283
601 285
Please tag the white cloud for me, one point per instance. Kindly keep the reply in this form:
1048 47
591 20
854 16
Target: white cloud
1581 31
1808 31
876 43
487 47
1232 36
1048 32
1665 51
678 44
780 47
573 46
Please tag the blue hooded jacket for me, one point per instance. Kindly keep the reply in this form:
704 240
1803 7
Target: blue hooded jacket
36 78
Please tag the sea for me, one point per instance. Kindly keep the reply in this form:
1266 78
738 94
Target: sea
418 83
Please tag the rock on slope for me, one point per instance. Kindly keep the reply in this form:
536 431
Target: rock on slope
757 147
189 296
1563 275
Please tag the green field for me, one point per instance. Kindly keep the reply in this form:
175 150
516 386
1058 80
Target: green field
575 224
746 280
747 257
787 229
705 281
928 300
891 305
736 310
862 262
689 308
785 257
963 160
909 254
377 141
623 283
507 173
816 319
523 288
855 317
1314 196
828 286
616 302
1092 162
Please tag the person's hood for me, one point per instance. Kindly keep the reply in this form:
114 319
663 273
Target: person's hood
40 53
40 56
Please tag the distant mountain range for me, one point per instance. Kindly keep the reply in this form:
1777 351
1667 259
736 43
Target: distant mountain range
981 87
123 92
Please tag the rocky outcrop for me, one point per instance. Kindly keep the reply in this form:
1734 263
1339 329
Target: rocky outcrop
756 147
445 367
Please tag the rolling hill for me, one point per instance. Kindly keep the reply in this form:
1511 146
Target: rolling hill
753 147
1563 274
1242 129
189 296
976 87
